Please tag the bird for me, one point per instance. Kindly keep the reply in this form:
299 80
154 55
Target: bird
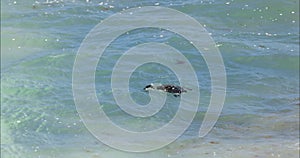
169 88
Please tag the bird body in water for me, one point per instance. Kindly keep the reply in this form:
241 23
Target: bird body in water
173 89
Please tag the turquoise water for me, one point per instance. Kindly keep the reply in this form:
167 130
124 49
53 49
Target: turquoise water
259 43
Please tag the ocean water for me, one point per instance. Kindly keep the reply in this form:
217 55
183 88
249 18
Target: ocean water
259 43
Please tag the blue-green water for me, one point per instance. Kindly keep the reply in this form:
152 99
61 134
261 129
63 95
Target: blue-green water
259 43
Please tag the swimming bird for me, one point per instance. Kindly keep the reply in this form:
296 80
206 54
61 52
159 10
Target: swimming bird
173 89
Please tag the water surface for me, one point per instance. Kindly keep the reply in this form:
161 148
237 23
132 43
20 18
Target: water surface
259 43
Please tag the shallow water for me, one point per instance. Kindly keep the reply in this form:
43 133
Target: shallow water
259 43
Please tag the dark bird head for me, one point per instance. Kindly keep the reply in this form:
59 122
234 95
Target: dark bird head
148 87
